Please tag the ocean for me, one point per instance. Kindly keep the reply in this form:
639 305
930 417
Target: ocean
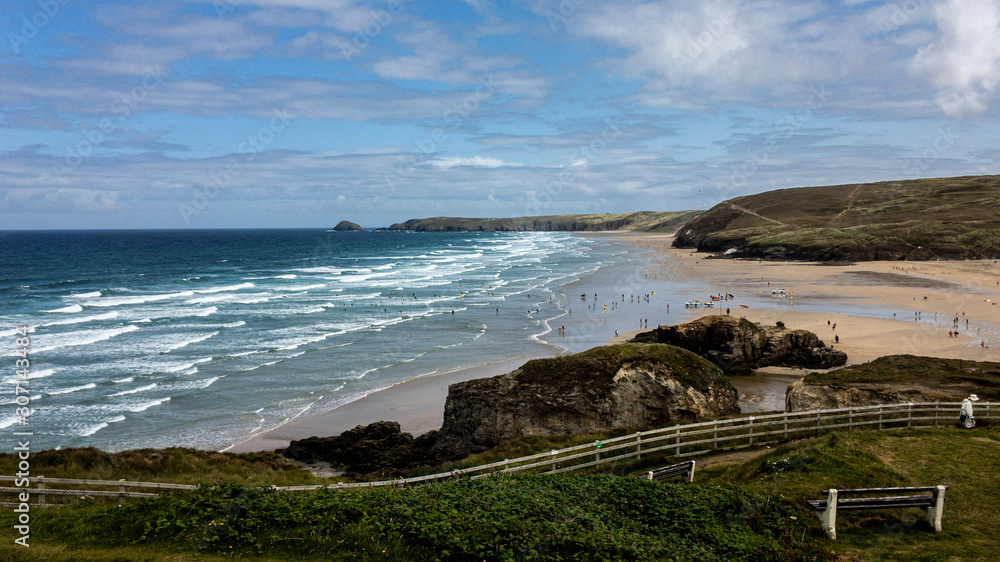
202 338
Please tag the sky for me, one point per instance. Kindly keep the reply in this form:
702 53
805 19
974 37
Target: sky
302 113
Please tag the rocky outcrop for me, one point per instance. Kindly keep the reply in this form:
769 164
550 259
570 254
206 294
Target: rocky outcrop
347 226
378 449
627 385
610 387
739 346
895 379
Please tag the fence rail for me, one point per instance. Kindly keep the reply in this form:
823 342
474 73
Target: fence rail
677 441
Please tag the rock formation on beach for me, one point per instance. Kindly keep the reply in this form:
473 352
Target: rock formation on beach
739 346
347 225
895 379
609 387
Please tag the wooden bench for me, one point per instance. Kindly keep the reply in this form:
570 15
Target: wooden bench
929 499
685 469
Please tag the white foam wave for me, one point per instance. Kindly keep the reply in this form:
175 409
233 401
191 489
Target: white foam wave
194 385
94 318
186 343
105 302
178 367
236 324
321 269
40 374
288 276
74 389
210 299
207 312
225 288
9 421
143 321
143 406
67 309
302 287
81 337
125 380
135 390
91 295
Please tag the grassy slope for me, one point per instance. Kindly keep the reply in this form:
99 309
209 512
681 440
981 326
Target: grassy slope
961 376
746 510
645 221
919 219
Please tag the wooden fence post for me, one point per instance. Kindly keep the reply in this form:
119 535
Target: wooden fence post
784 428
850 419
677 441
715 435
41 492
937 406
597 452
909 414
121 491
880 417
750 431
638 445
817 424
553 453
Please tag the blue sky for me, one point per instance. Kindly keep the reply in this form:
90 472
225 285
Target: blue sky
300 113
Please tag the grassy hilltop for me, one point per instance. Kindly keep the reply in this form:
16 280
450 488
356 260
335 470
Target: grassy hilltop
643 221
954 218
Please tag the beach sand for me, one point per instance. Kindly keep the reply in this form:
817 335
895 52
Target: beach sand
878 308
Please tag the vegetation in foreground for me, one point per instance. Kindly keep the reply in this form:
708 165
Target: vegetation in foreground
954 218
738 511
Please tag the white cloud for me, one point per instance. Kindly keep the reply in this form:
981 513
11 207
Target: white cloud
964 63
480 161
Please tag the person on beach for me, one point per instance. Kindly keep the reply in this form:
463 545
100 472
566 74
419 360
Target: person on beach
965 418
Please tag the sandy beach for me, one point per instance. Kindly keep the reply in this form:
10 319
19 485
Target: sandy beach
873 308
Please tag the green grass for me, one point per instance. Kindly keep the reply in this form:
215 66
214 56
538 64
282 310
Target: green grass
176 465
753 510
959 376
914 219
597 367
965 461
643 221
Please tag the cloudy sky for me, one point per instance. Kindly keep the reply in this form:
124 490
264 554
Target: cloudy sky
300 113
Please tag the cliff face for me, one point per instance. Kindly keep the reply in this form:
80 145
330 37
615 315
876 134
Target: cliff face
628 385
739 346
644 221
895 379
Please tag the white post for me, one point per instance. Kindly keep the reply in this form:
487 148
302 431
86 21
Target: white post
553 453
829 516
935 512
691 472
649 475
677 441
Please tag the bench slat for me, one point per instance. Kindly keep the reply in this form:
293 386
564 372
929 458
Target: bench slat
886 490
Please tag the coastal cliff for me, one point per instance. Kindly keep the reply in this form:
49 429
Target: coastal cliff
895 379
738 346
951 218
643 221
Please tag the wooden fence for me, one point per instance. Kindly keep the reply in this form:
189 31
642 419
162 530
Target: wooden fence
677 442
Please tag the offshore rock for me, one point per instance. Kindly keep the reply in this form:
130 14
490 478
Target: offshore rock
347 225
739 346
